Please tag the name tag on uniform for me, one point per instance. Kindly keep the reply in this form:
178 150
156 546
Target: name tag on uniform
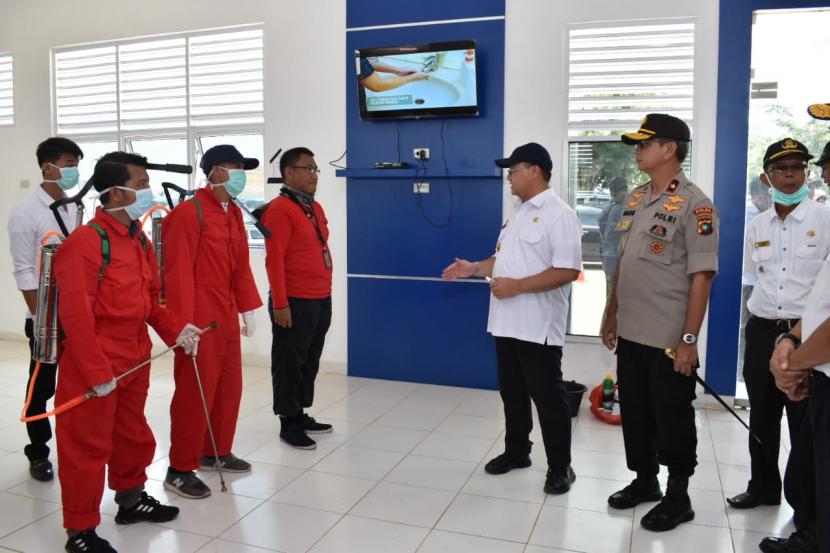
623 224
763 244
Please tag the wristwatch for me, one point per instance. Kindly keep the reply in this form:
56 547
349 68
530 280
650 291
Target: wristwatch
689 338
787 336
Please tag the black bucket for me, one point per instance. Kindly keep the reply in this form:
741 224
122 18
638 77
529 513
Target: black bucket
575 392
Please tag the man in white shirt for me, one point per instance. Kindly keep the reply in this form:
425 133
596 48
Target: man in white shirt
784 249
801 366
538 255
30 222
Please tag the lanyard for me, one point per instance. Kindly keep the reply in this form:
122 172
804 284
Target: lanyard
309 212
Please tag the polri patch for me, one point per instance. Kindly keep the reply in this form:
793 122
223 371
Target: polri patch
665 217
705 226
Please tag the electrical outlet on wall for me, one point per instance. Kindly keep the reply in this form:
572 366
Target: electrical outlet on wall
421 153
421 188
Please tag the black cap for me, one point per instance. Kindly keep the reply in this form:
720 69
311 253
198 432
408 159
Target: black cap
825 155
820 111
784 148
659 125
532 153
225 153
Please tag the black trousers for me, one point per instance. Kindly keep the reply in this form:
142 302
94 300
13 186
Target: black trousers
295 353
767 404
818 407
40 432
656 407
529 371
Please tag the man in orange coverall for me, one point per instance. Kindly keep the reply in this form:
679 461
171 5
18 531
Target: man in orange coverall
208 278
105 302
299 268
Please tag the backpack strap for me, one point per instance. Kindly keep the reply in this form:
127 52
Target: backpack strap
199 213
105 249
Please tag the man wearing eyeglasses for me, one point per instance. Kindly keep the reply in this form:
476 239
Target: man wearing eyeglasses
784 249
668 258
299 266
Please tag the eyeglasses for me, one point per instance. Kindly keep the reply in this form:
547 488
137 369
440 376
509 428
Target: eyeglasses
781 169
643 144
511 171
311 169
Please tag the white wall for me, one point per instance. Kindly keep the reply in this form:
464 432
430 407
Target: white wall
535 102
304 105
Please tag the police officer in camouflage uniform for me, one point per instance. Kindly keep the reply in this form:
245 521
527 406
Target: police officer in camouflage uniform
668 259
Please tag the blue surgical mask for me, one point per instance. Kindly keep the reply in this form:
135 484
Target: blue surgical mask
142 204
69 177
790 199
235 183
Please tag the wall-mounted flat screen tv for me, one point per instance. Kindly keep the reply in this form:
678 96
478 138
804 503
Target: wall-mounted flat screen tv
421 80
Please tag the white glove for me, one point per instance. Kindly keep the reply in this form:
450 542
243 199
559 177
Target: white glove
189 339
248 324
106 388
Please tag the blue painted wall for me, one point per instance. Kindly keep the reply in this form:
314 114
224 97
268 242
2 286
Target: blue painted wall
734 55
423 330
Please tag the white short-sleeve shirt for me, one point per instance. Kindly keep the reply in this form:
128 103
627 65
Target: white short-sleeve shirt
783 257
30 221
543 232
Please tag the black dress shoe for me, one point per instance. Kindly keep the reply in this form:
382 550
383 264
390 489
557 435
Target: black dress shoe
506 462
559 480
674 509
635 493
800 541
41 470
749 500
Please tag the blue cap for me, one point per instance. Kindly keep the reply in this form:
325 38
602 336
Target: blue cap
225 153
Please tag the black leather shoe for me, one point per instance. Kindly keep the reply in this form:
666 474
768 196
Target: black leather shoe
749 500
559 480
801 541
635 493
506 462
41 470
672 510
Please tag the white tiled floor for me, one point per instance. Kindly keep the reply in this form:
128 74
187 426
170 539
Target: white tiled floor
403 472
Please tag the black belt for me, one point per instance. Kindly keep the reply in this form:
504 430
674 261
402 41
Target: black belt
819 380
779 324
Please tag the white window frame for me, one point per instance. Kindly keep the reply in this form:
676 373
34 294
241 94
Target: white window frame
9 122
191 132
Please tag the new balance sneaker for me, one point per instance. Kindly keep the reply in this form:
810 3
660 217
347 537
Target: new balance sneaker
148 509
311 426
186 484
229 463
88 542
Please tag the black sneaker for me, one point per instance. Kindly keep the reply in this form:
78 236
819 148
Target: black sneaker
311 426
88 542
148 509
230 463
506 462
293 434
186 484
41 470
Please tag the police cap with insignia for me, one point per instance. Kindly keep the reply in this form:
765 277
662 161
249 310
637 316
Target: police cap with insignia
659 125
825 155
784 148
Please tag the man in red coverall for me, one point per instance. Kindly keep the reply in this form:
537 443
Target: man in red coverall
208 278
104 309
299 268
